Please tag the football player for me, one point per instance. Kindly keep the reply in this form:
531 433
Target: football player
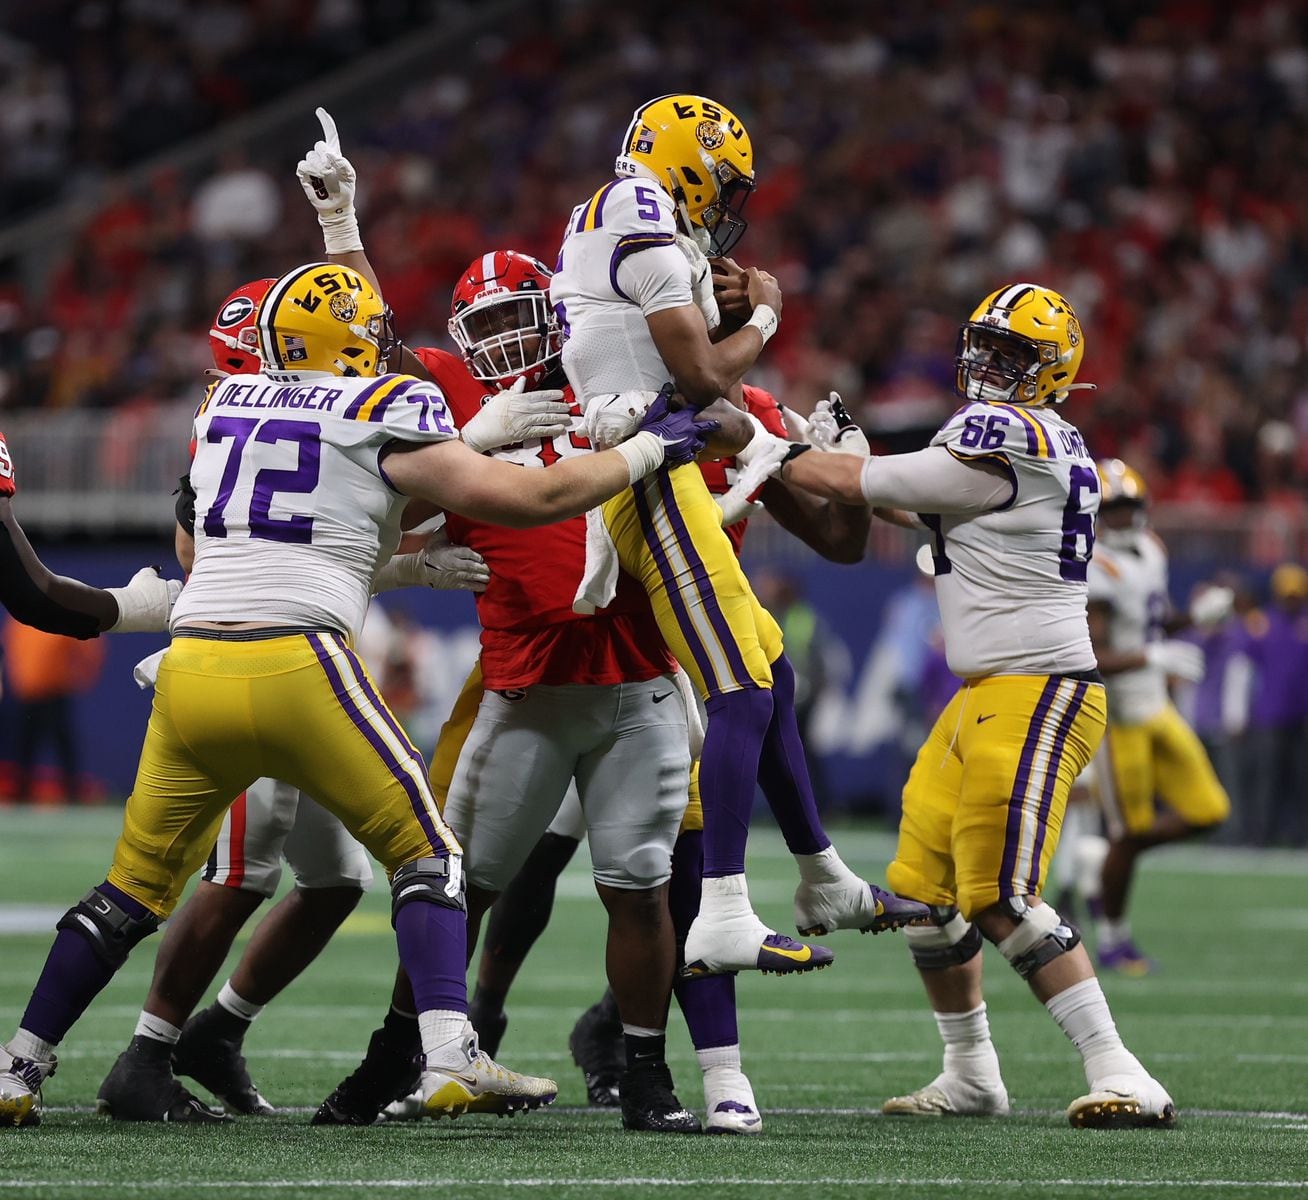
36 596
269 821
634 293
1009 493
1149 753
301 474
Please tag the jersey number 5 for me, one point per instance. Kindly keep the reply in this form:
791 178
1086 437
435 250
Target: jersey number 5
300 480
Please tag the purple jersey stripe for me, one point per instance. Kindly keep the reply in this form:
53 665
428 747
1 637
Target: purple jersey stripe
1051 781
599 202
362 398
702 658
379 412
375 740
703 586
1013 832
1032 441
631 244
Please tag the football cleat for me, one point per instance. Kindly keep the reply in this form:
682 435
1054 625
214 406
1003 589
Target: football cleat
481 1085
744 943
822 908
213 1058
20 1089
406 1108
730 1102
649 1104
598 1049
140 1087
950 1097
1126 958
1123 1102
389 1071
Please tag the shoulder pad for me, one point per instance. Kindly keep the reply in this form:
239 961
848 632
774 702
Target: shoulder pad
405 406
629 206
1007 429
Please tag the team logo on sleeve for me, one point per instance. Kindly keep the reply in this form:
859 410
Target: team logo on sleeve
343 306
234 312
710 134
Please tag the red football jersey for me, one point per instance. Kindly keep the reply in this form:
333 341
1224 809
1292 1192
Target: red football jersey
720 473
529 632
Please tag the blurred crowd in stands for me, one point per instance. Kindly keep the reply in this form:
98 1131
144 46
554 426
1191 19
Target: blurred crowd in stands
1149 158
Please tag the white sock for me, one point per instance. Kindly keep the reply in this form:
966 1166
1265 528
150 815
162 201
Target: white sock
1112 933
27 1045
718 1057
969 1052
642 1031
724 897
826 866
1082 1013
156 1028
231 1000
444 1037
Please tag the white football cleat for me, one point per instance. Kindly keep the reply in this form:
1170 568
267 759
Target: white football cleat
406 1108
852 903
1123 1102
950 1096
481 1085
20 1089
719 945
730 1102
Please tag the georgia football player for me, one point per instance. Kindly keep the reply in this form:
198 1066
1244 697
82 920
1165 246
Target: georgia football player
634 293
268 822
1009 493
1149 753
301 474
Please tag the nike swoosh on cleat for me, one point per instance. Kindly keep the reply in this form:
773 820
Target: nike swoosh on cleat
981 720
660 699
799 956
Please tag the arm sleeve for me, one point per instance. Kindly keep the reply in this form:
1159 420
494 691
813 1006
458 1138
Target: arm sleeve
933 481
654 276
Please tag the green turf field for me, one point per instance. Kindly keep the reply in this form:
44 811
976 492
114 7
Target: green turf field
1224 1025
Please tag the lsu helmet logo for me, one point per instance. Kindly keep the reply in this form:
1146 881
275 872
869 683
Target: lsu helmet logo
1073 331
343 306
236 310
710 135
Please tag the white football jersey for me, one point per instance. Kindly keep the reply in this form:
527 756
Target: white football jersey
607 345
1012 582
293 513
1131 577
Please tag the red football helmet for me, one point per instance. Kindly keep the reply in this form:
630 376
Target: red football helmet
233 340
501 319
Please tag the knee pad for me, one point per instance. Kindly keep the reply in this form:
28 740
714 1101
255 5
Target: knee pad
948 941
1040 937
111 930
435 880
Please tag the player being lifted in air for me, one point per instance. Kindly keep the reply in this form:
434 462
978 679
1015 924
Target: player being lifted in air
1009 494
634 294
301 476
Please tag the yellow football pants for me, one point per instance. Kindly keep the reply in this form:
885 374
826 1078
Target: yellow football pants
985 799
300 708
1161 757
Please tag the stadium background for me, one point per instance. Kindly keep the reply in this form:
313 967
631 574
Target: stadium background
1148 160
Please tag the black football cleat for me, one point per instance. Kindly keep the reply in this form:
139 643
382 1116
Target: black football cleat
389 1071
140 1087
649 1104
598 1049
490 1026
209 1051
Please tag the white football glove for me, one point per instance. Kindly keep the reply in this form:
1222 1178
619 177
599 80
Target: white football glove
755 464
146 603
328 179
1212 606
515 415
701 281
832 429
614 416
1178 659
439 564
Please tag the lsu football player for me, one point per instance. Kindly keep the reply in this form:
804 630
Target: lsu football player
1009 494
301 477
268 822
1149 753
634 294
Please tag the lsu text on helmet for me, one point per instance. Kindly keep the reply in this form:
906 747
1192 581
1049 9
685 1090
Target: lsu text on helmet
322 318
697 151
233 340
500 317
1022 345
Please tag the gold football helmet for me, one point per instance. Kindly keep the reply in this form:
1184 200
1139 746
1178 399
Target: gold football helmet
1122 505
1022 345
698 152
322 318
